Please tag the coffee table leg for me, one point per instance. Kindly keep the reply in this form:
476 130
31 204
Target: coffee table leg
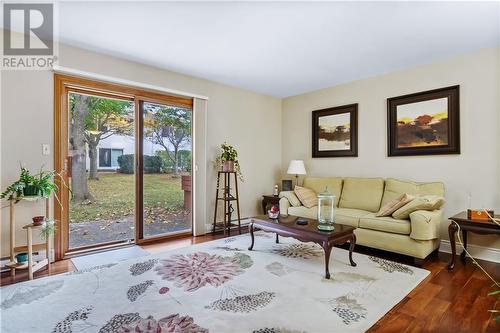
277 239
250 229
327 248
351 248
452 229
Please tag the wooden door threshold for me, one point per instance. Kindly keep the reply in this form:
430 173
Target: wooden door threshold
97 249
164 238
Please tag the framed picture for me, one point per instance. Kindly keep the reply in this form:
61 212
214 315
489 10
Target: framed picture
286 185
335 131
425 123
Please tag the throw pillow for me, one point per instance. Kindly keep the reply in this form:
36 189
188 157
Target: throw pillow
394 205
291 197
427 202
306 196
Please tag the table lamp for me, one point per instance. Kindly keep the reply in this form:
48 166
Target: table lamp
296 167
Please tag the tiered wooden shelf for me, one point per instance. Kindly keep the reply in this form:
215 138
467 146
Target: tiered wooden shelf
32 265
227 199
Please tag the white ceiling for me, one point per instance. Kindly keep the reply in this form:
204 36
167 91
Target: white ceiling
281 49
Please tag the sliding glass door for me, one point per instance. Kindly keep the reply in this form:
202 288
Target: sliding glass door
166 158
101 135
125 156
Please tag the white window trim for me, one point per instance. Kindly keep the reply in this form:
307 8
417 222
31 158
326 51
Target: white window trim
130 83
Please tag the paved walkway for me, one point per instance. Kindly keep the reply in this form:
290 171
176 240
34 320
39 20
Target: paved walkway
105 231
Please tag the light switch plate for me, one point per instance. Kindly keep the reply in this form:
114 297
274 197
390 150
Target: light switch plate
45 149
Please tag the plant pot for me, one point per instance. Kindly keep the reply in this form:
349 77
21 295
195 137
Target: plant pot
31 191
228 166
186 187
38 220
21 258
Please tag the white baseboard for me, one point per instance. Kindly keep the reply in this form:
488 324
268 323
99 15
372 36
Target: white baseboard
478 252
244 222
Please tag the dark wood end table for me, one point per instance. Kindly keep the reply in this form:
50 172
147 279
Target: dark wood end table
466 225
287 227
269 199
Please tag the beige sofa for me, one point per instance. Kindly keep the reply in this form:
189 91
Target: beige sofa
359 199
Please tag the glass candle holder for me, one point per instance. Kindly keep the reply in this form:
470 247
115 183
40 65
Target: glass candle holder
326 211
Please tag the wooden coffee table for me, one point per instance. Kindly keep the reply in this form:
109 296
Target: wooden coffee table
287 227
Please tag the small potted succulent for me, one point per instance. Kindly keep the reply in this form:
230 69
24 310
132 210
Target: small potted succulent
227 160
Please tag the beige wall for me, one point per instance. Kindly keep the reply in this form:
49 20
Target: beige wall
249 121
475 170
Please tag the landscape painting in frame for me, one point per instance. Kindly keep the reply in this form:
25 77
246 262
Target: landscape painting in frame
335 131
425 123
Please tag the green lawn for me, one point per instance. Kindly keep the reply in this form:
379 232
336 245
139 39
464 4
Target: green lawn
114 197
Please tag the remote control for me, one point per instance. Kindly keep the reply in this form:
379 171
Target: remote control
302 222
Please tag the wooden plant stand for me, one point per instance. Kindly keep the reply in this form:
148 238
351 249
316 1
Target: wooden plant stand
31 265
227 198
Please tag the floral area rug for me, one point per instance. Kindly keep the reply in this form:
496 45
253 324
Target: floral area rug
216 287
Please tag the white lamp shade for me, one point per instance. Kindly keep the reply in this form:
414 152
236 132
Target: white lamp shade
296 167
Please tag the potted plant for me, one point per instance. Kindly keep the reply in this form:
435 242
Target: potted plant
48 229
227 160
28 185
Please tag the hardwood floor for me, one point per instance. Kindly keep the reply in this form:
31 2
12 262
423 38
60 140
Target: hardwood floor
446 301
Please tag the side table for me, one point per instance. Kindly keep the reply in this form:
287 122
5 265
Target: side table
466 225
268 200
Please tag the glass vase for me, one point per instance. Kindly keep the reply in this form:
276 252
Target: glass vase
326 211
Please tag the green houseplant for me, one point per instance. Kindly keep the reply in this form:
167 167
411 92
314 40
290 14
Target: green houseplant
227 160
28 185
48 229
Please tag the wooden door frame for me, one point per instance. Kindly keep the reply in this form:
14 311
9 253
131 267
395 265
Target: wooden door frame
63 84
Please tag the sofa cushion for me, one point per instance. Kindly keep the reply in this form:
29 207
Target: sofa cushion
392 206
386 224
346 216
318 185
428 202
310 213
349 216
362 193
394 188
306 196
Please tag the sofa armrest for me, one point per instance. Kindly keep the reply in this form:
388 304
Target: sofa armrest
425 224
284 205
291 197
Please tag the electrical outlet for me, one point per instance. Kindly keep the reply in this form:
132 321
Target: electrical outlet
45 149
